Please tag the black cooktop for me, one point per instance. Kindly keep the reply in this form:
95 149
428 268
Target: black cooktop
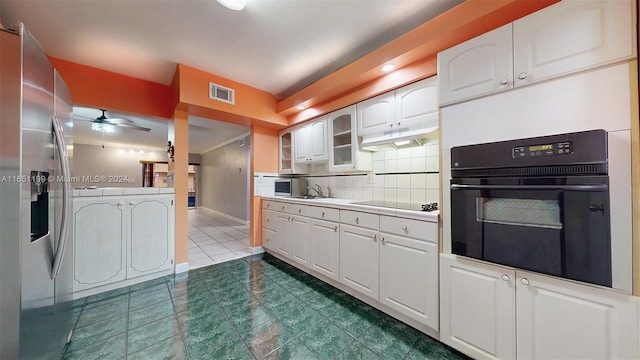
400 205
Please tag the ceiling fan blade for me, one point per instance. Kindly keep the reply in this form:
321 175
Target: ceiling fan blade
136 127
81 117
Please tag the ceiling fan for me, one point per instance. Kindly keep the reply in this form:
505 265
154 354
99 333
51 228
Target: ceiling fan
108 124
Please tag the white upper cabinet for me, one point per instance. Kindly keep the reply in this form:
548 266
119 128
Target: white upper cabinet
311 142
286 164
377 114
480 66
417 103
570 36
564 38
344 151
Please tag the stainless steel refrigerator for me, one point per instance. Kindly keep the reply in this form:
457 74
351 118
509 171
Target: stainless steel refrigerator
36 251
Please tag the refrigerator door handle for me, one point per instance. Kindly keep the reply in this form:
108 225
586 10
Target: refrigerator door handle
66 196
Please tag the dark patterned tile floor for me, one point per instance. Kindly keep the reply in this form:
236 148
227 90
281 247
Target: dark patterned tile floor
257 307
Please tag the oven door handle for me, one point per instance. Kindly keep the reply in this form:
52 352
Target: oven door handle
587 187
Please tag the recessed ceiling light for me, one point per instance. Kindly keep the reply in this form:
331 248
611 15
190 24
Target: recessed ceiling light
388 67
233 4
300 107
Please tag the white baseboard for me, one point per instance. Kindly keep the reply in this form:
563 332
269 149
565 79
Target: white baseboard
230 217
180 268
257 250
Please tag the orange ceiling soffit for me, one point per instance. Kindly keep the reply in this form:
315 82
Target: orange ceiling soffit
250 103
463 22
417 71
99 88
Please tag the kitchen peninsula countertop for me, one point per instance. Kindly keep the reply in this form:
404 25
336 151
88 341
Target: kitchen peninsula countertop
346 204
119 191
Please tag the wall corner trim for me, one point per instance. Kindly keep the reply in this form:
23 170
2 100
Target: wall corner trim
181 268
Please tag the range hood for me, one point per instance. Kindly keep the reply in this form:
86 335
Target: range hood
400 138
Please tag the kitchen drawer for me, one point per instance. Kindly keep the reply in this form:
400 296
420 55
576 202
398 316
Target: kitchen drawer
276 205
270 204
356 218
297 209
324 213
269 220
420 230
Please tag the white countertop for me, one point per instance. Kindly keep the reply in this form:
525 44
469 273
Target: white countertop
119 191
347 204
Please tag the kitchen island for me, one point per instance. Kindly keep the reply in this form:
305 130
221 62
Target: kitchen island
121 236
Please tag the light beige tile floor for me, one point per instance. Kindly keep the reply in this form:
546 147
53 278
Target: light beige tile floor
214 239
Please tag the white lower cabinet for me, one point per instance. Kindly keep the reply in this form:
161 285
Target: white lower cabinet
559 319
300 239
556 319
151 233
282 239
409 277
325 247
391 260
118 238
359 254
477 308
100 242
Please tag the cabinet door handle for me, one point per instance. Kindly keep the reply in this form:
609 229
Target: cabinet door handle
522 75
120 203
132 203
506 277
405 228
335 229
390 125
382 239
267 239
524 281
504 81
375 237
268 205
398 123
357 220
283 208
323 214
299 211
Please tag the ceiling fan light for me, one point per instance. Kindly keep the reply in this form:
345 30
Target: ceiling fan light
108 128
233 4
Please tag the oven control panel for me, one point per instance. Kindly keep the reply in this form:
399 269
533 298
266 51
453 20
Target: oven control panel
560 148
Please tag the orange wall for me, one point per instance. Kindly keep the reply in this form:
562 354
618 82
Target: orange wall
98 88
264 151
264 158
417 71
465 21
179 137
251 105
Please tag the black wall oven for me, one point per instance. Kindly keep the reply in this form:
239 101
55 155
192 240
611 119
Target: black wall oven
540 204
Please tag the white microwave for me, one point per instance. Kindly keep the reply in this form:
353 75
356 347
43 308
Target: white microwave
291 187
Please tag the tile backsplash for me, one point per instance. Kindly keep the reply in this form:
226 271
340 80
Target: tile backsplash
402 175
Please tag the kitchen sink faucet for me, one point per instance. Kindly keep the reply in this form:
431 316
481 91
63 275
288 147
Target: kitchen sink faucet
317 188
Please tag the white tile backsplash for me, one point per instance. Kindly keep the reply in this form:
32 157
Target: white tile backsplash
413 186
403 181
404 165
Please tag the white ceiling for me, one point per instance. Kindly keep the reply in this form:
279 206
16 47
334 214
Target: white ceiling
204 134
279 46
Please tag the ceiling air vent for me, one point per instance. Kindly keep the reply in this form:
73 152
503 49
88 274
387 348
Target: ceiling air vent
221 93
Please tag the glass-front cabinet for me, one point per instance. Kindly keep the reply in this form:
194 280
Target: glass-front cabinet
287 165
344 149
